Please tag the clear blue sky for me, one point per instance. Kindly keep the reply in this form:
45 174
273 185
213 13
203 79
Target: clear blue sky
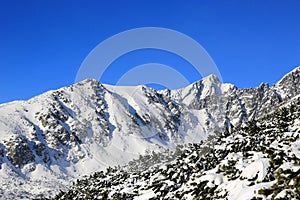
43 43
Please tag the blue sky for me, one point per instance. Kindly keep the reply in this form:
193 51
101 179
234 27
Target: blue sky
43 43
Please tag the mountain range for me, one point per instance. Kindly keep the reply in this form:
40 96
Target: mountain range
62 135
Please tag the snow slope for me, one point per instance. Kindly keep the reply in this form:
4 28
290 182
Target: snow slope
257 161
64 134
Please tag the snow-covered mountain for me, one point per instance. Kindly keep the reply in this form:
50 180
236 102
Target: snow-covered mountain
260 160
61 135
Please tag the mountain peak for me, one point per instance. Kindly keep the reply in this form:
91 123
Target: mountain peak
212 78
289 75
89 126
288 86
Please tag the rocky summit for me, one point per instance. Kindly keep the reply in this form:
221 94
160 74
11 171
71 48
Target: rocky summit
208 140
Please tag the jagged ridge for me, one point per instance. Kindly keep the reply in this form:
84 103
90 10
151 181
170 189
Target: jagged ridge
76 130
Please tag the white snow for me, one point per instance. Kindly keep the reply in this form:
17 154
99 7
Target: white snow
109 123
257 168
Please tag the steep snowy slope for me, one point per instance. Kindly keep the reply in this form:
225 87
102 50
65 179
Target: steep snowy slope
64 134
260 160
